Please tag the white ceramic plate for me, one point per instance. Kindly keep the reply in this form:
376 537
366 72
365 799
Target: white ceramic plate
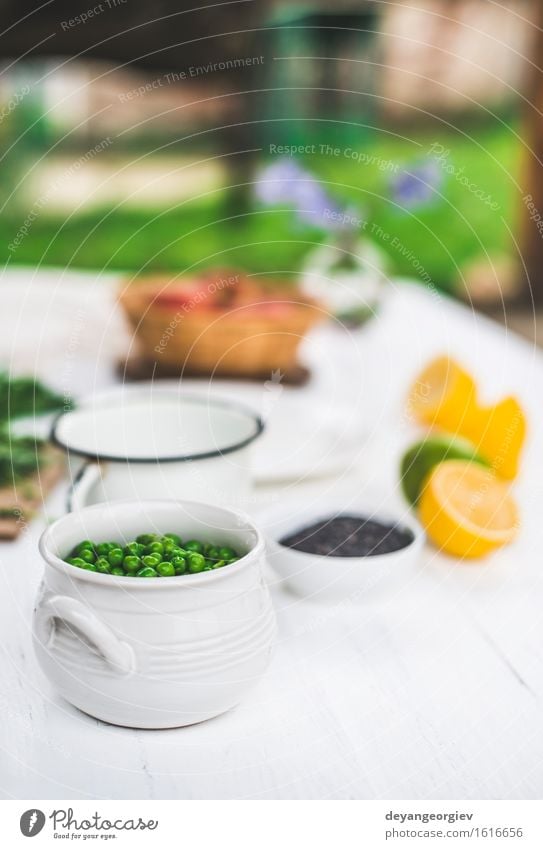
304 437
303 440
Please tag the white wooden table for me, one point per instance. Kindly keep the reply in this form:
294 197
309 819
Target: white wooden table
437 693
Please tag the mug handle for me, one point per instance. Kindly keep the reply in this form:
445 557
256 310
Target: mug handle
115 652
82 484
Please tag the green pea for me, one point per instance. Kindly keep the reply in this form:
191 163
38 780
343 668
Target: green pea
179 564
77 561
79 550
87 554
102 565
197 562
146 539
115 556
147 572
150 556
151 560
174 538
132 563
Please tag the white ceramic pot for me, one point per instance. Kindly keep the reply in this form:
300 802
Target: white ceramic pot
158 445
153 652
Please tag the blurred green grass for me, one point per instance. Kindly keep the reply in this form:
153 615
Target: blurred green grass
441 236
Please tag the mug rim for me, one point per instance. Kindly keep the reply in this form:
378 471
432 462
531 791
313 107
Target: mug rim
196 579
181 458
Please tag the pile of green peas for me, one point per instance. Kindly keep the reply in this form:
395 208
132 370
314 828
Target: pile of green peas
151 556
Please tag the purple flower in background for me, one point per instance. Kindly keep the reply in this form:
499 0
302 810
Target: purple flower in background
278 183
417 185
286 182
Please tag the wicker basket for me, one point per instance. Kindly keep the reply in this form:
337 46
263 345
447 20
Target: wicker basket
235 338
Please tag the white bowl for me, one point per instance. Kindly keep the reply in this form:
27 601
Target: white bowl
324 577
155 652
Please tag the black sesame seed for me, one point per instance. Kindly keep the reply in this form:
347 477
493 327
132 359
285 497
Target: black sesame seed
349 536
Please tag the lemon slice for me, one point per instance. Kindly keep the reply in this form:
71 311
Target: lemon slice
466 510
442 394
499 433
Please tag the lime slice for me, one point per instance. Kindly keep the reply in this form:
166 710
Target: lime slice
419 460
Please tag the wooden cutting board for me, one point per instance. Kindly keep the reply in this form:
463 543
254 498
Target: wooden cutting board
23 500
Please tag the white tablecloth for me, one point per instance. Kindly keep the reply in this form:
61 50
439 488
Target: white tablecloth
434 692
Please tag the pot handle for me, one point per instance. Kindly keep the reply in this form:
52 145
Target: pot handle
82 484
116 653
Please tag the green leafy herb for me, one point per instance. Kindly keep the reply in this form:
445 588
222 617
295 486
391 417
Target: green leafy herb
20 456
26 396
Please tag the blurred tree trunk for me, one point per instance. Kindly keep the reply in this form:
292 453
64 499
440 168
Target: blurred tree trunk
531 237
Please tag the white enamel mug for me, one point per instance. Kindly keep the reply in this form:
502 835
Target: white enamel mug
153 652
162 444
